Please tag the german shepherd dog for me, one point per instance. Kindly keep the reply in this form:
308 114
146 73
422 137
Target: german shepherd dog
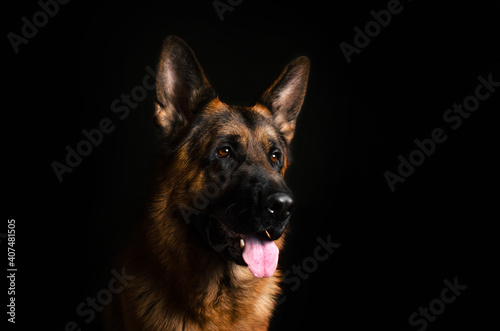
205 256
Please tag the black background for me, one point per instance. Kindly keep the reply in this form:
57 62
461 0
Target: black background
396 248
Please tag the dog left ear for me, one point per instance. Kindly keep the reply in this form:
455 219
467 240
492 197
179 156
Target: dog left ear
285 96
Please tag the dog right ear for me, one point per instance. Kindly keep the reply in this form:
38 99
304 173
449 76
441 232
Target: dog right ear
181 86
285 96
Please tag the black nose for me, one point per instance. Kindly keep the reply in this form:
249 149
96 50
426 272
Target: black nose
279 205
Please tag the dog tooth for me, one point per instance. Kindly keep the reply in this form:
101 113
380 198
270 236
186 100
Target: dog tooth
242 243
268 235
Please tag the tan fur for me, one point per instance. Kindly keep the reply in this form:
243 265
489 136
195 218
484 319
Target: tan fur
180 285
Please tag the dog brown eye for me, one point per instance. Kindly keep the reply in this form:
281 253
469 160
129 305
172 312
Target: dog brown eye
224 152
275 157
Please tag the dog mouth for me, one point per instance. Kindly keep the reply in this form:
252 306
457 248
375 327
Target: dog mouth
260 254
255 250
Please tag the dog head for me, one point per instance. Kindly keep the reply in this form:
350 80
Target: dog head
229 161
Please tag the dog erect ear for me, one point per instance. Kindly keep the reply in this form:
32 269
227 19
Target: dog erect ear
181 86
285 96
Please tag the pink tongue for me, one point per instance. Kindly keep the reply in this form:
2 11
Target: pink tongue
261 256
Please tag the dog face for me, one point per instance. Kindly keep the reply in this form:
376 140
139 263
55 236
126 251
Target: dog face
229 161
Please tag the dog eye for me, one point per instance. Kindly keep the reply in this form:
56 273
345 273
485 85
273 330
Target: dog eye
275 157
224 152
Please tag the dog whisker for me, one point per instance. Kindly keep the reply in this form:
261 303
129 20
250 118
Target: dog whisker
229 207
